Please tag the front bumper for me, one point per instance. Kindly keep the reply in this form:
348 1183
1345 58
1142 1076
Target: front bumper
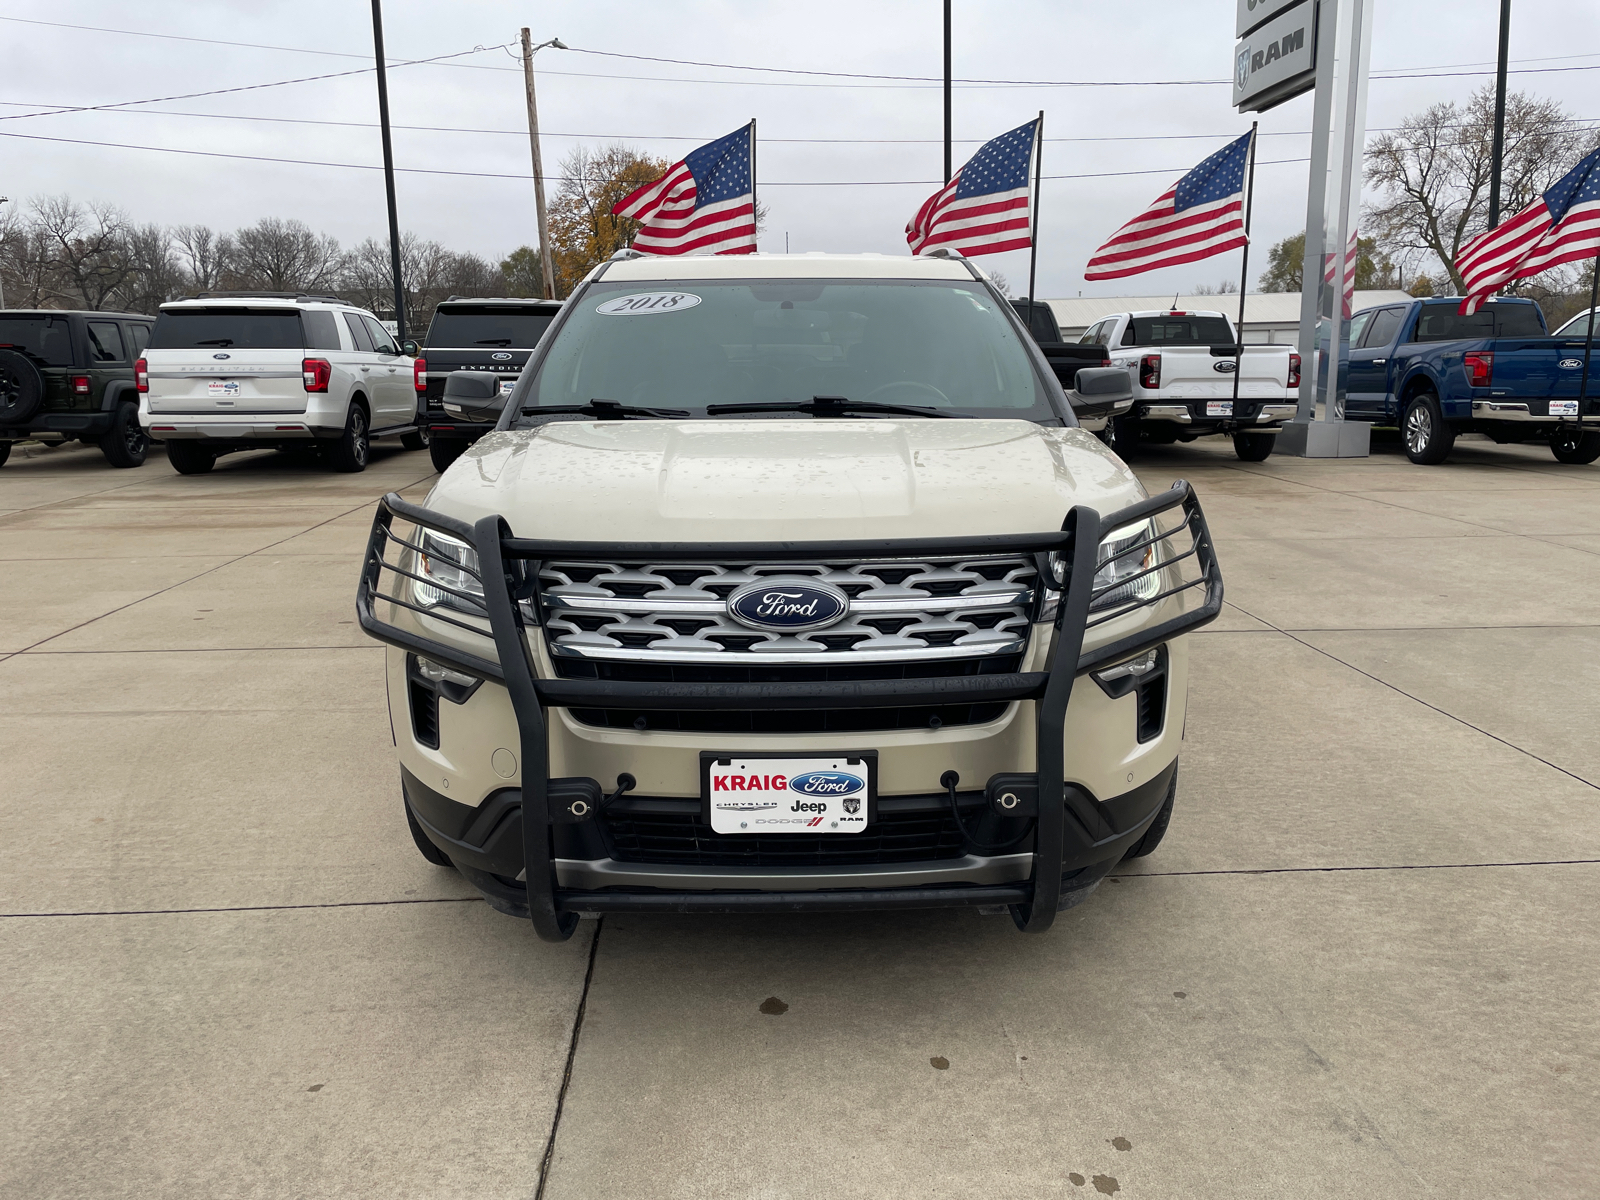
1072 832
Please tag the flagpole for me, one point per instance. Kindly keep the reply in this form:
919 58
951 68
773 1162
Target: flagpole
947 91
1033 233
754 218
1244 264
1588 345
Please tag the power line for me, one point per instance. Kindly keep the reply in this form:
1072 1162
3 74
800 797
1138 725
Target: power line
305 162
1573 123
249 87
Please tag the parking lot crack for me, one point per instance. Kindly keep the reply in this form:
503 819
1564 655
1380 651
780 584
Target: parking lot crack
566 1075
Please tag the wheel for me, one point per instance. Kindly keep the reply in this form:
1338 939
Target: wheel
1158 827
444 451
1123 436
191 458
1568 447
125 444
429 851
1253 446
416 441
5 452
350 452
21 388
1428 438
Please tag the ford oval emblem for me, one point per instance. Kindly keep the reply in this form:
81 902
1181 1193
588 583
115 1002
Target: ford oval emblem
501 356
222 356
1225 367
826 783
787 605
1570 364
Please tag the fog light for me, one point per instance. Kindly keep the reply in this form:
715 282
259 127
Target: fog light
1133 668
435 673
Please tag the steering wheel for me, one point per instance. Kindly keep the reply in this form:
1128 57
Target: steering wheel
916 385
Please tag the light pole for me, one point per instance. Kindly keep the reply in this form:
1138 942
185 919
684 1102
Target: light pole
546 269
1497 154
389 167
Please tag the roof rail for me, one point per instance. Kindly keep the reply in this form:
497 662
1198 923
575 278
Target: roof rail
260 295
945 252
626 253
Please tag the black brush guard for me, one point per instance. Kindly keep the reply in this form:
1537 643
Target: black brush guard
508 572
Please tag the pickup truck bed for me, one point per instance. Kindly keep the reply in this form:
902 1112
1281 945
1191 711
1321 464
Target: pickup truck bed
1066 359
1437 374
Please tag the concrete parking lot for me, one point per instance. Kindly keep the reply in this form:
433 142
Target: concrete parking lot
1363 963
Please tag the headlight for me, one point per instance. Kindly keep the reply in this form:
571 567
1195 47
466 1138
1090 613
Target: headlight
1127 552
1124 553
453 565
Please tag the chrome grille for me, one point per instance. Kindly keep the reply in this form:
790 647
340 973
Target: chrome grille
899 610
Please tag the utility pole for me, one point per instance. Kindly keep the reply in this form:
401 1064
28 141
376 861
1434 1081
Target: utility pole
1497 155
388 173
3 200
947 91
546 269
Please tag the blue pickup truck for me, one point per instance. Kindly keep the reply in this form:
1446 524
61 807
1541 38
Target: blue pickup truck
1499 372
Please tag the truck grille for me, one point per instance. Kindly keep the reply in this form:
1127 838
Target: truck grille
899 611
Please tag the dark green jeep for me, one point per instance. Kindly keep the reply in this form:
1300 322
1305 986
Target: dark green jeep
66 375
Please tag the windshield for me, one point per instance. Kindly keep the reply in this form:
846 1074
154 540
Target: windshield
1177 330
938 345
467 329
48 339
1442 323
241 328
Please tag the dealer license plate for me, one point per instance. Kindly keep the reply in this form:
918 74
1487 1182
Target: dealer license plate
1563 408
811 794
1219 408
506 385
223 387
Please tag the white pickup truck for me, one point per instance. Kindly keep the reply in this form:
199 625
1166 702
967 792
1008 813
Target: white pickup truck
1182 368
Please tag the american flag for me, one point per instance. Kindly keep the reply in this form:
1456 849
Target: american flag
1352 252
984 209
704 204
1561 226
1197 217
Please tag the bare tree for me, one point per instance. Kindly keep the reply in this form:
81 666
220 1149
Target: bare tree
282 255
157 276
88 261
1434 171
205 252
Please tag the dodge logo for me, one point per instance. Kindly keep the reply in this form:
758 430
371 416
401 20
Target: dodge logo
788 605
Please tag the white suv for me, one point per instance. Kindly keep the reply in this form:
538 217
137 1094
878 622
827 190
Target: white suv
257 370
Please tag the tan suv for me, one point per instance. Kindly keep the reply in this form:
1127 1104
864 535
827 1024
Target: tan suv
786 583
232 371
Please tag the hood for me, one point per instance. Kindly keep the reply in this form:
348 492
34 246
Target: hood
771 480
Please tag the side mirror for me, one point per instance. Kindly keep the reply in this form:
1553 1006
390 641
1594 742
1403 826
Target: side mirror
1103 384
410 349
473 394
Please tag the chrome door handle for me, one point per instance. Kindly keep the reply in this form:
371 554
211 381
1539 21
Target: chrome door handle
1378 362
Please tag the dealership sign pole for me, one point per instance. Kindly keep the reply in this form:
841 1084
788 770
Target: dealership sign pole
1287 48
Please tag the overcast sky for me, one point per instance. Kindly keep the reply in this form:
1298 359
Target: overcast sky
667 109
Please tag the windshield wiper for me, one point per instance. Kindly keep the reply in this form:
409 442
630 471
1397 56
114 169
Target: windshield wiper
604 410
826 406
492 342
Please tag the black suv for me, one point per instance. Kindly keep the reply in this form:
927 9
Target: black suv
477 334
66 375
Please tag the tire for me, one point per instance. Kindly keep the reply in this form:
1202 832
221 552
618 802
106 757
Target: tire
21 388
191 458
1427 437
444 451
1253 446
428 850
5 452
1122 435
1158 827
349 454
1568 447
416 441
125 444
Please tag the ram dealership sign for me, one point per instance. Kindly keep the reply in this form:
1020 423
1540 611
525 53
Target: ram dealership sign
1277 60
